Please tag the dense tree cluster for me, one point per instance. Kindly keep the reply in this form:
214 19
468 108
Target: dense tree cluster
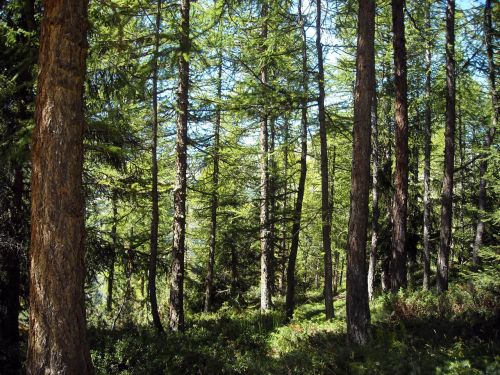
162 159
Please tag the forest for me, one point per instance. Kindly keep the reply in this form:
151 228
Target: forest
249 187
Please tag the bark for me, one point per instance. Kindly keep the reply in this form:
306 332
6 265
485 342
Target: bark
331 208
155 214
209 292
357 308
297 213
111 276
283 255
400 200
427 156
272 201
375 197
481 202
265 226
449 153
176 299
325 206
57 342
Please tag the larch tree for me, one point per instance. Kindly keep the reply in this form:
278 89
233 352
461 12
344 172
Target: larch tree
325 201
155 215
449 153
358 311
400 200
57 342
176 299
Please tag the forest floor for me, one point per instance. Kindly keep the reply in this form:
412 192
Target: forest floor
413 333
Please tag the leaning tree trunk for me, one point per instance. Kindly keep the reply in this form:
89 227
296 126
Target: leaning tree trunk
449 153
488 140
357 308
325 206
427 156
154 184
176 299
297 213
265 225
57 342
398 263
209 292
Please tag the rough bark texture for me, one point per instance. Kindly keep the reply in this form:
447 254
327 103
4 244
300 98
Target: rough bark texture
357 308
284 237
488 140
375 197
400 200
176 310
449 153
155 215
265 230
325 206
427 158
57 336
297 213
209 292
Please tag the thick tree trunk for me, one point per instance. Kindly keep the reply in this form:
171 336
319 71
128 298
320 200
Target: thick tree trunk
154 184
57 338
427 156
325 206
398 263
297 213
265 225
488 140
111 276
375 196
176 299
209 292
449 153
358 311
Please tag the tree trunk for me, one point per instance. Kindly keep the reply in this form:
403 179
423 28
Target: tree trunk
449 153
57 341
427 155
215 198
358 311
325 206
176 299
154 183
265 229
375 196
297 213
272 201
283 255
488 140
398 263
111 276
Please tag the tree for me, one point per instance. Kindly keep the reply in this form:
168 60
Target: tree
358 311
57 340
325 204
154 182
449 153
297 213
400 200
488 139
176 312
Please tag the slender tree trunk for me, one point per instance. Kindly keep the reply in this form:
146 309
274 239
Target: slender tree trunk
385 276
398 269
449 153
111 276
57 342
297 213
282 259
461 153
375 197
215 198
358 311
427 155
325 206
265 226
272 201
154 184
488 140
331 208
176 311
